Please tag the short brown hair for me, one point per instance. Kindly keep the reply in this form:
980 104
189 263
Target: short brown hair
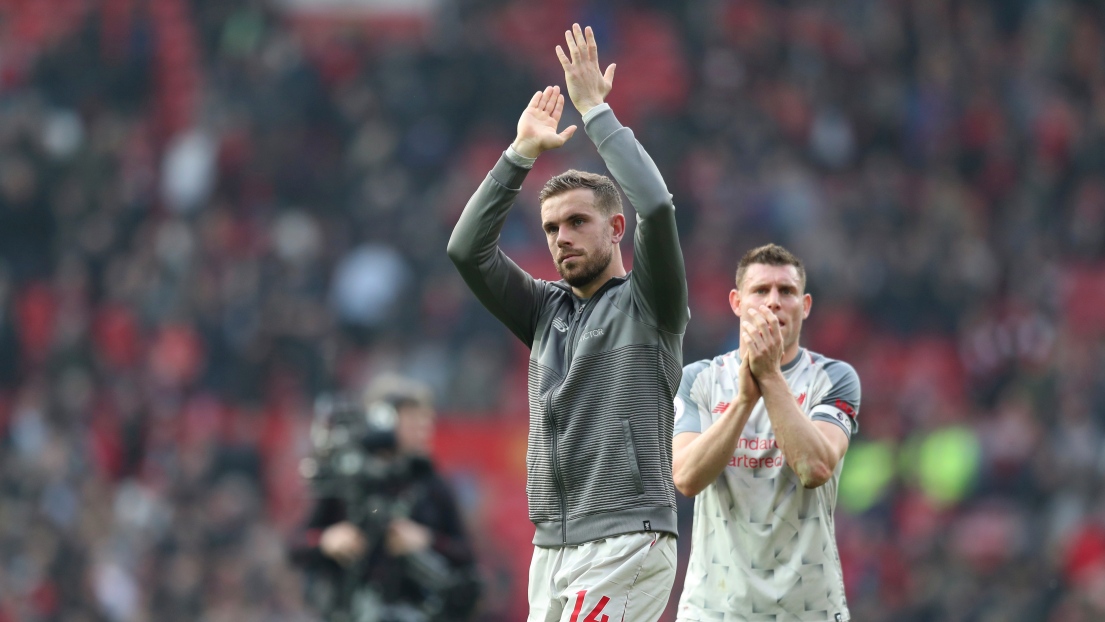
607 199
771 255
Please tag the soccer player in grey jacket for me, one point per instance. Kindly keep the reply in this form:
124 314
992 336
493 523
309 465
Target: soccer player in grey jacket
606 353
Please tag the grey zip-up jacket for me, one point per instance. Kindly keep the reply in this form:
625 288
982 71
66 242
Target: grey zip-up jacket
603 372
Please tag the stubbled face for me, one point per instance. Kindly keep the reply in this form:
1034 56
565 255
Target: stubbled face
414 429
779 288
579 237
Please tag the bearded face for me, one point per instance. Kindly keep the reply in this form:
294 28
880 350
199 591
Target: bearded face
579 270
581 240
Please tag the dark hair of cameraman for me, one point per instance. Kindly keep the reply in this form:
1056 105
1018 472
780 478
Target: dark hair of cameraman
409 549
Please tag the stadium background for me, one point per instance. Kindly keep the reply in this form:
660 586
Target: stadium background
211 211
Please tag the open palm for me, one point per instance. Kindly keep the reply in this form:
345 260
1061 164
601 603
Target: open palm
537 126
588 86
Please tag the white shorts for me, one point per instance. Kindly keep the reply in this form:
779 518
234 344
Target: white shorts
623 578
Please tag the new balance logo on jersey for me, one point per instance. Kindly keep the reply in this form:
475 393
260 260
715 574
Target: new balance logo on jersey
801 399
559 325
720 408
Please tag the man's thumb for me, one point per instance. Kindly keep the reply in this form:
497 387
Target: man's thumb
568 131
609 75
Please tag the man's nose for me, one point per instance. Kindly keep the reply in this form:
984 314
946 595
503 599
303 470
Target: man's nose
773 299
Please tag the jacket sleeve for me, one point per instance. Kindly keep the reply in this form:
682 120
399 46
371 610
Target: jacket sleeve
659 278
507 291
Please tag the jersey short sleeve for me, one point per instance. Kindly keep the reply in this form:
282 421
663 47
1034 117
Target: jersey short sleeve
690 409
840 404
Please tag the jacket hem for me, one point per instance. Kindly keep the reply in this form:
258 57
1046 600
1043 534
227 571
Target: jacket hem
598 526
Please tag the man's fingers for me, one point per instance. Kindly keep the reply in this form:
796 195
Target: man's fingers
592 46
558 108
581 42
565 62
763 323
554 98
751 340
573 49
758 339
771 320
758 320
533 101
773 326
609 75
767 313
545 96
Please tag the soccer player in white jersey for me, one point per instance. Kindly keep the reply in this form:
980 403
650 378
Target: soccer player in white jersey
759 440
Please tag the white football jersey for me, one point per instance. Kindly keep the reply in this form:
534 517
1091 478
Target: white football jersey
763 547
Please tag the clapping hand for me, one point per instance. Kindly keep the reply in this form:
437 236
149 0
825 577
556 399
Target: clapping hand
748 390
537 126
761 333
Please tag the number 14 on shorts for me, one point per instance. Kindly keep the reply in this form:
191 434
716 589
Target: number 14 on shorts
595 613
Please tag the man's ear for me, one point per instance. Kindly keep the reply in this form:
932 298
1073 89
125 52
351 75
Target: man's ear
617 223
735 302
807 303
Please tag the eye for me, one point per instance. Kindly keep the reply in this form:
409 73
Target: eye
577 222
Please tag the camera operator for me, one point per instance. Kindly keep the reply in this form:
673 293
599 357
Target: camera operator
389 546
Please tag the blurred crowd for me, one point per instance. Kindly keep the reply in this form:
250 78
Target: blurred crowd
213 210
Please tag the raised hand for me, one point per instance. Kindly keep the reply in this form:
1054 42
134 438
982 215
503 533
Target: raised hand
588 86
760 330
537 126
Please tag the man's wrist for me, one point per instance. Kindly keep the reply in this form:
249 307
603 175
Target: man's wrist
771 381
520 155
583 109
745 401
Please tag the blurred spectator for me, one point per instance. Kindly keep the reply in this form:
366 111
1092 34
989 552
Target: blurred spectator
384 543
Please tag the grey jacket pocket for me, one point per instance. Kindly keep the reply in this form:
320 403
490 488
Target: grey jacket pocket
631 454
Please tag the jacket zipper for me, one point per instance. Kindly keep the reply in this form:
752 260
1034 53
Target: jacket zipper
556 473
580 314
